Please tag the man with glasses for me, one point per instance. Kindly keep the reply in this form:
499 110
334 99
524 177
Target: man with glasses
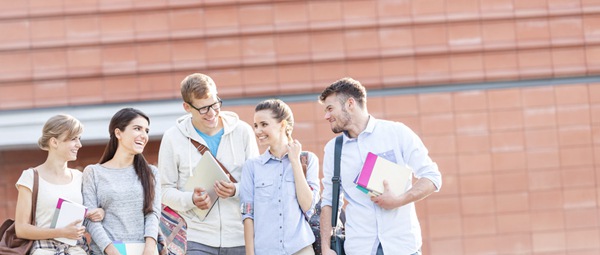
231 141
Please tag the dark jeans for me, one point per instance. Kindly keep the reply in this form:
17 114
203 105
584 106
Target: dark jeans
380 251
201 249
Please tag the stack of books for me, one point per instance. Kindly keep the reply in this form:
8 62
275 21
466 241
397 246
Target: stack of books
376 169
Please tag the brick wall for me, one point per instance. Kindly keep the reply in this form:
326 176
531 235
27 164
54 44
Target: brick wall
519 164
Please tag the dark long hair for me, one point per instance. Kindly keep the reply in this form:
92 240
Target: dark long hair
121 120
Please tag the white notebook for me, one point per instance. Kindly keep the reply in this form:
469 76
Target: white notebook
67 212
205 174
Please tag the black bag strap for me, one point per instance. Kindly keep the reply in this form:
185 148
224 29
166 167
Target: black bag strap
336 180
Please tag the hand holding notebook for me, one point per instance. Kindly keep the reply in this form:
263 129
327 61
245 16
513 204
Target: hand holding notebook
205 174
377 169
67 212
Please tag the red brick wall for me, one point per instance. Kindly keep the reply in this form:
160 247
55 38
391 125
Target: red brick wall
519 164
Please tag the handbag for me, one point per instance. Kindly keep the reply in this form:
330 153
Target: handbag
338 237
10 244
172 237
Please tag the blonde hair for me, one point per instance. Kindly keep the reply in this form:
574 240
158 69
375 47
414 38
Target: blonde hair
57 126
197 86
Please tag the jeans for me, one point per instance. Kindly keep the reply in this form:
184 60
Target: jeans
201 249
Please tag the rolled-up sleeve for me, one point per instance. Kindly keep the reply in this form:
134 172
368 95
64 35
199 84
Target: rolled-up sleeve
247 191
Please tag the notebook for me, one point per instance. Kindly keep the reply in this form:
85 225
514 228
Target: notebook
131 248
376 169
67 212
205 174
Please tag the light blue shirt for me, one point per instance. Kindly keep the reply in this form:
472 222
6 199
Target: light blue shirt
212 142
367 224
268 196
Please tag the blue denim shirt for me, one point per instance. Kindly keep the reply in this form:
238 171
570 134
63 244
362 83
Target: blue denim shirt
268 196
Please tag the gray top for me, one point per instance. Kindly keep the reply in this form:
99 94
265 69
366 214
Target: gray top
120 193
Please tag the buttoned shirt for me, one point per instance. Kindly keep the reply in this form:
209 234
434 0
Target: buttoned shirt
367 224
268 196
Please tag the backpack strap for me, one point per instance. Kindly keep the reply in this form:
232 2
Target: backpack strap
203 149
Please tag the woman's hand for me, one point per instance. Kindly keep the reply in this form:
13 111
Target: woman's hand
73 230
294 149
95 214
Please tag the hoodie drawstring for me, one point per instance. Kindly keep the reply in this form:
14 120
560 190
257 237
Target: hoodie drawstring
190 157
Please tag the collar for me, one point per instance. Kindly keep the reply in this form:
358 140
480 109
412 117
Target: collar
266 156
368 129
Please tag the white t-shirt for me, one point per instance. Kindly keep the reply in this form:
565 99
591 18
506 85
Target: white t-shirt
48 194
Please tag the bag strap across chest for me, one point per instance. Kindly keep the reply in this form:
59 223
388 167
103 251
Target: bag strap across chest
203 149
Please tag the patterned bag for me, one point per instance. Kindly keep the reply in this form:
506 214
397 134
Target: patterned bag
172 239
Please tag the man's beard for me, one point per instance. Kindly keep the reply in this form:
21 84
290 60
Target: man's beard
342 122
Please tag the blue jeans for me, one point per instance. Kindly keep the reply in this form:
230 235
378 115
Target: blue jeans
380 251
201 249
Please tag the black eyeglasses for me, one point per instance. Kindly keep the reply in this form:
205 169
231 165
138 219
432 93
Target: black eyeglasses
204 109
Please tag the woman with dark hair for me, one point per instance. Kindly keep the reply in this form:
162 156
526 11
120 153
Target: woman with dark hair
125 186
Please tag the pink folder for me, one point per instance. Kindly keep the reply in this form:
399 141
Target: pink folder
376 169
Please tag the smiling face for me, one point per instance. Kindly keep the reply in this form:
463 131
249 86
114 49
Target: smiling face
336 114
268 131
67 147
209 121
135 136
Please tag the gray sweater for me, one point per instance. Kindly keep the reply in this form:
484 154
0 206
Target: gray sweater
120 193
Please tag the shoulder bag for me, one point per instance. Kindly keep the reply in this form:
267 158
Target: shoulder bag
337 239
10 243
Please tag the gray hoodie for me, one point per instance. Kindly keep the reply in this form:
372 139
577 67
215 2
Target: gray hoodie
223 225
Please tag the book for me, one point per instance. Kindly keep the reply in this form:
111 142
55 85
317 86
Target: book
376 169
204 175
131 248
67 212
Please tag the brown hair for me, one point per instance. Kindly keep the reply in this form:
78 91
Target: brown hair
121 120
58 125
346 88
280 111
198 86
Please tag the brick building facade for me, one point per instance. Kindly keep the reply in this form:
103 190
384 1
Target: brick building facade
504 93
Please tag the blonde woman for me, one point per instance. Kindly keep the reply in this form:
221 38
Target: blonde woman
61 138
